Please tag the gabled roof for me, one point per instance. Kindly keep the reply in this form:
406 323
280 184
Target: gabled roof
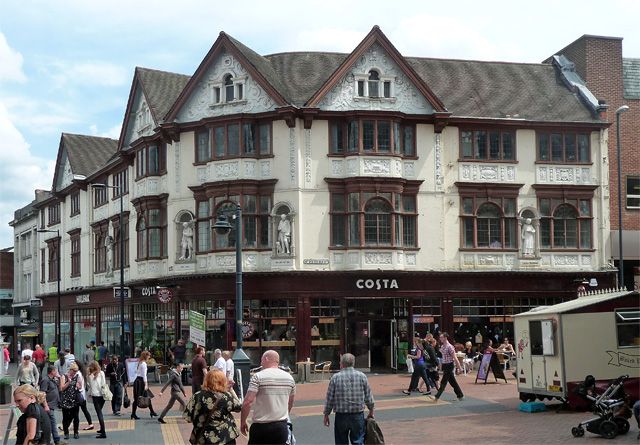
256 65
377 36
86 154
580 302
159 88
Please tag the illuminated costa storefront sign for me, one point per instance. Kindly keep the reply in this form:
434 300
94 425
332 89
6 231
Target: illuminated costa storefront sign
378 284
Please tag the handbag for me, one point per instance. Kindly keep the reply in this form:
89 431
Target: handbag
144 401
104 389
125 401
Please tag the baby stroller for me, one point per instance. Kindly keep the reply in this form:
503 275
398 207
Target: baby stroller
610 407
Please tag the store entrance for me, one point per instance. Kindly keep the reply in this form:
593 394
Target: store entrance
372 334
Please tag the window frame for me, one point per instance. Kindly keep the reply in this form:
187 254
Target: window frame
349 220
100 194
627 317
475 149
341 137
76 246
143 208
115 222
53 214
632 196
547 135
142 160
498 195
74 204
120 183
100 232
258 142
53 246
574 196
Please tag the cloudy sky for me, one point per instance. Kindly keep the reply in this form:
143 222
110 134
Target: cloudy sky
67 66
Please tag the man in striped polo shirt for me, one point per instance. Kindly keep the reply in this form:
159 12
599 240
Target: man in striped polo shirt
449 363
273 391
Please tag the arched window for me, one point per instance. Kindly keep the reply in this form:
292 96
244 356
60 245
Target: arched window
374 82
489 231
377 222
488 224
228 88
565 227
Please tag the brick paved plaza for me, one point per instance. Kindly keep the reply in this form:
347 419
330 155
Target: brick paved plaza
488 415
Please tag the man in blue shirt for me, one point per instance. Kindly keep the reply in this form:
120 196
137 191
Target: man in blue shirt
347 395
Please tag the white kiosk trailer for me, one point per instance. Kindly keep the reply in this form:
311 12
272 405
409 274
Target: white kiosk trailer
596 334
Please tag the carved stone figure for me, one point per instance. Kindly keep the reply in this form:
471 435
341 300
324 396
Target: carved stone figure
187 241
284 235
528 235
108 243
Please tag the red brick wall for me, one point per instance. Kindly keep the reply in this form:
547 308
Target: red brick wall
598 61
6 270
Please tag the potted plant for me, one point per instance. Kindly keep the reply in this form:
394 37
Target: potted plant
5 390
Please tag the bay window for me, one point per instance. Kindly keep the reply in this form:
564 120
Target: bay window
371 136
233 139
563 147
151 160
151 227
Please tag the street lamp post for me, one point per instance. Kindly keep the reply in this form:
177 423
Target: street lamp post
223 227
58 256
620 110
121 235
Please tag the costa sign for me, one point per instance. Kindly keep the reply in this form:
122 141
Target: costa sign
379 284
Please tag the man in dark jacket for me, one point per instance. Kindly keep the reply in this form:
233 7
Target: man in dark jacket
117 379
175 381
49 384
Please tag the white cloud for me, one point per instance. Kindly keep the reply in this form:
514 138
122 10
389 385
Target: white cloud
39 116
11 66
113 132
96 73
20 174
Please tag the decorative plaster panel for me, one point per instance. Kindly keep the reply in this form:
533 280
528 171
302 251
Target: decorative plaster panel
352 167
202 173
251 261
565 260
487 172
586 260
338 258
265 169
406 96
489 260
225 261
410 259
226 170
554 174
353 258
377 166
200 103
439 178
307 157
177 169
249 169
293 165
409 169
100 213
337 167
378 258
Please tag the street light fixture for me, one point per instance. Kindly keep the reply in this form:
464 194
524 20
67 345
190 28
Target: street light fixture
121 234
57 327
222 227
620 110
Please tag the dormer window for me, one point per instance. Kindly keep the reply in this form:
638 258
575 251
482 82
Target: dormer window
374 86
144 116
228 89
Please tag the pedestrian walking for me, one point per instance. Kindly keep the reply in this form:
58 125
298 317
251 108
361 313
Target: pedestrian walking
50 385
449 364
88 355
27 373
31 428
198 370
97 382
347 395
117 381
141 385
70 398
220 362
39 357
53 353
211 411
419 358
273 391
83 403
7 358
101 352
231 367
175 380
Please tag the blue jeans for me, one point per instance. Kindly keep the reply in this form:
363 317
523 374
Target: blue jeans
349 426
54 425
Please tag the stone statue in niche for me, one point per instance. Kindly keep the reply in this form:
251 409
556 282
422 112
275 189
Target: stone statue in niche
186 243
284 235
108 244
528 235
